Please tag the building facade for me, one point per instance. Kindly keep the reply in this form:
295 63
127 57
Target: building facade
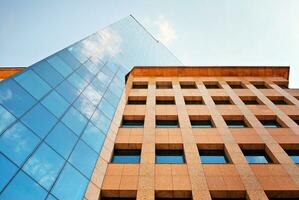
202 133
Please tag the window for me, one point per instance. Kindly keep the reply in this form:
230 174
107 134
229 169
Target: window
249 100
213 156
170 156
235 123
260 85
165 100
136 100
193 100
126 156
212 85
222 100
139 85
280 101
196 123
188 85
117 198
256 156
164 85
270 124
172 123
132 123
296 121
294 154
236 85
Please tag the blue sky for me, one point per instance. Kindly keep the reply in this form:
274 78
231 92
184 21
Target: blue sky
198 32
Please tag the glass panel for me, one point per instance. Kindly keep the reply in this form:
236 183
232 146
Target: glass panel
55 103
222 102
75 182
188 85
6 119
60 65
93 68
235 123
136 102
101 121
83 158
132 123
270 123
22 187
77 81
51 197
84 73
67 57
44 166
212 156
17 143
106 108
84 106
167 124
250 102
7 170
112 98
101 87
201 124
62 139
33 83
74 120
39 120
66 90
279 102
212 86
126 156
165 102
46 71
170 156
104 78
294 154
14 98
256 156
93 95
93 137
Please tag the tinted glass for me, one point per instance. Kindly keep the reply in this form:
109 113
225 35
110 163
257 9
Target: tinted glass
201 124
6 119
74 120
77 81
215 86
294 154
93 137
101 121
167 124
67 57
26 189
193 101
188 86
235 123
222 102
62 139
7 170
55 103
126 156
44 166
69 92
84 106
164 102
212 156
106 108
132 123
260 86
256 156
14 98
236 86
29 80
39 120
17 143
279 102
137 102
251 102
93 95
139 86
170 156
75 181
83 158
270 123
60 65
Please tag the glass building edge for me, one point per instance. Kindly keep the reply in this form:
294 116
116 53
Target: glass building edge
127 55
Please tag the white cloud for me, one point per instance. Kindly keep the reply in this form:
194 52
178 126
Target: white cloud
167 33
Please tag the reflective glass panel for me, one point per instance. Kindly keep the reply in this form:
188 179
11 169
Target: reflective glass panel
39 120
107 108
170 156
33 84
44 166
74 120
22 187
294 154
212 156
270 123
126 156
60 65
68 91
7 170
14 98
93 95
235 123
77 81
93 137
101 121
18 142
256 156
75 182
201 124
83 158
62 139
67 57
55 103
84 106
5 118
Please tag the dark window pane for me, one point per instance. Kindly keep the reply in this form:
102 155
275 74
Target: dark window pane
44 166
34 85
222 102
23 187
164 102
62 139
260 86
170 156
188 85
137 85
164 85
126 156
296 121
256 156
279 102
236 86
46 71
213 156
167 123
14 98
132 123
270 123
201 124
190 101
212 86
251 102
18 142
39 120
136 102
294 154
235 123
75 181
